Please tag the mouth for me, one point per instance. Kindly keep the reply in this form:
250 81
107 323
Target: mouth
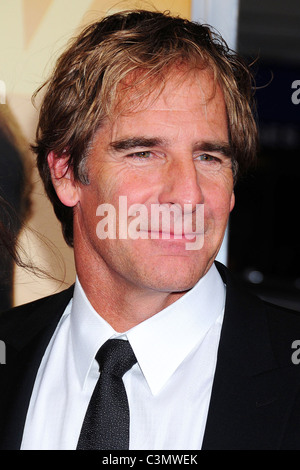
173 240
164 235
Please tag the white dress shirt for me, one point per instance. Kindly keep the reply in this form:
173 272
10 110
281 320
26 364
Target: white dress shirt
168 388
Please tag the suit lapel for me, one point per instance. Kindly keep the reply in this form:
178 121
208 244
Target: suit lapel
250 398
24 351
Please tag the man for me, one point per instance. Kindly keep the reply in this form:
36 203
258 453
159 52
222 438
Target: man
147 111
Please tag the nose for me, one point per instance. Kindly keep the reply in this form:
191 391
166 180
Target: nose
181 184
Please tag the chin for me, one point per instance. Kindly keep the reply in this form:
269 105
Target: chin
173 281
168 273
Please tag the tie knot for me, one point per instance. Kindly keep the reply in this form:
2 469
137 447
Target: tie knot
115 357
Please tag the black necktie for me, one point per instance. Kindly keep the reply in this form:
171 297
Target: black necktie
106 423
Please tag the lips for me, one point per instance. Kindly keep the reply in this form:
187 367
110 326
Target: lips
170 235
180 228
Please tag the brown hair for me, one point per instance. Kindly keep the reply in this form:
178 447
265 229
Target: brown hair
83 89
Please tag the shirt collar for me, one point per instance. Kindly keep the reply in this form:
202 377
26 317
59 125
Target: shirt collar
161 342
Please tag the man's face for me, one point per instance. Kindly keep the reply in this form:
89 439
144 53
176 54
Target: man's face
173 151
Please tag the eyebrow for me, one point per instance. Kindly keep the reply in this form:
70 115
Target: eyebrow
223 148
133 142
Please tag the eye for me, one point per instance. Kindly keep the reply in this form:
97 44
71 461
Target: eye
205 157
144 155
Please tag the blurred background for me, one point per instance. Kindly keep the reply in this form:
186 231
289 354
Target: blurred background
262 244
264 241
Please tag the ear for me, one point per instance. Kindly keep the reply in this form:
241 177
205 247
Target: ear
232 201
63 179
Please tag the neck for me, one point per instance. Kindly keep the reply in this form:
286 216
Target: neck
122 305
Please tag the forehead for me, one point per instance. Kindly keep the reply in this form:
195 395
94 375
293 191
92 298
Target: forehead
187 99
194 86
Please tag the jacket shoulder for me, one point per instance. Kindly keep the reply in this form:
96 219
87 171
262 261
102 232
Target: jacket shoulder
37 312
278 325
284 326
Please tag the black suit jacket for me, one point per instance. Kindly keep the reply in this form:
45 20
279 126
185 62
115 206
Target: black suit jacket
255 402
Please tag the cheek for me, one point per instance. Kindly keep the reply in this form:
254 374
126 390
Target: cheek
218 203
138 188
